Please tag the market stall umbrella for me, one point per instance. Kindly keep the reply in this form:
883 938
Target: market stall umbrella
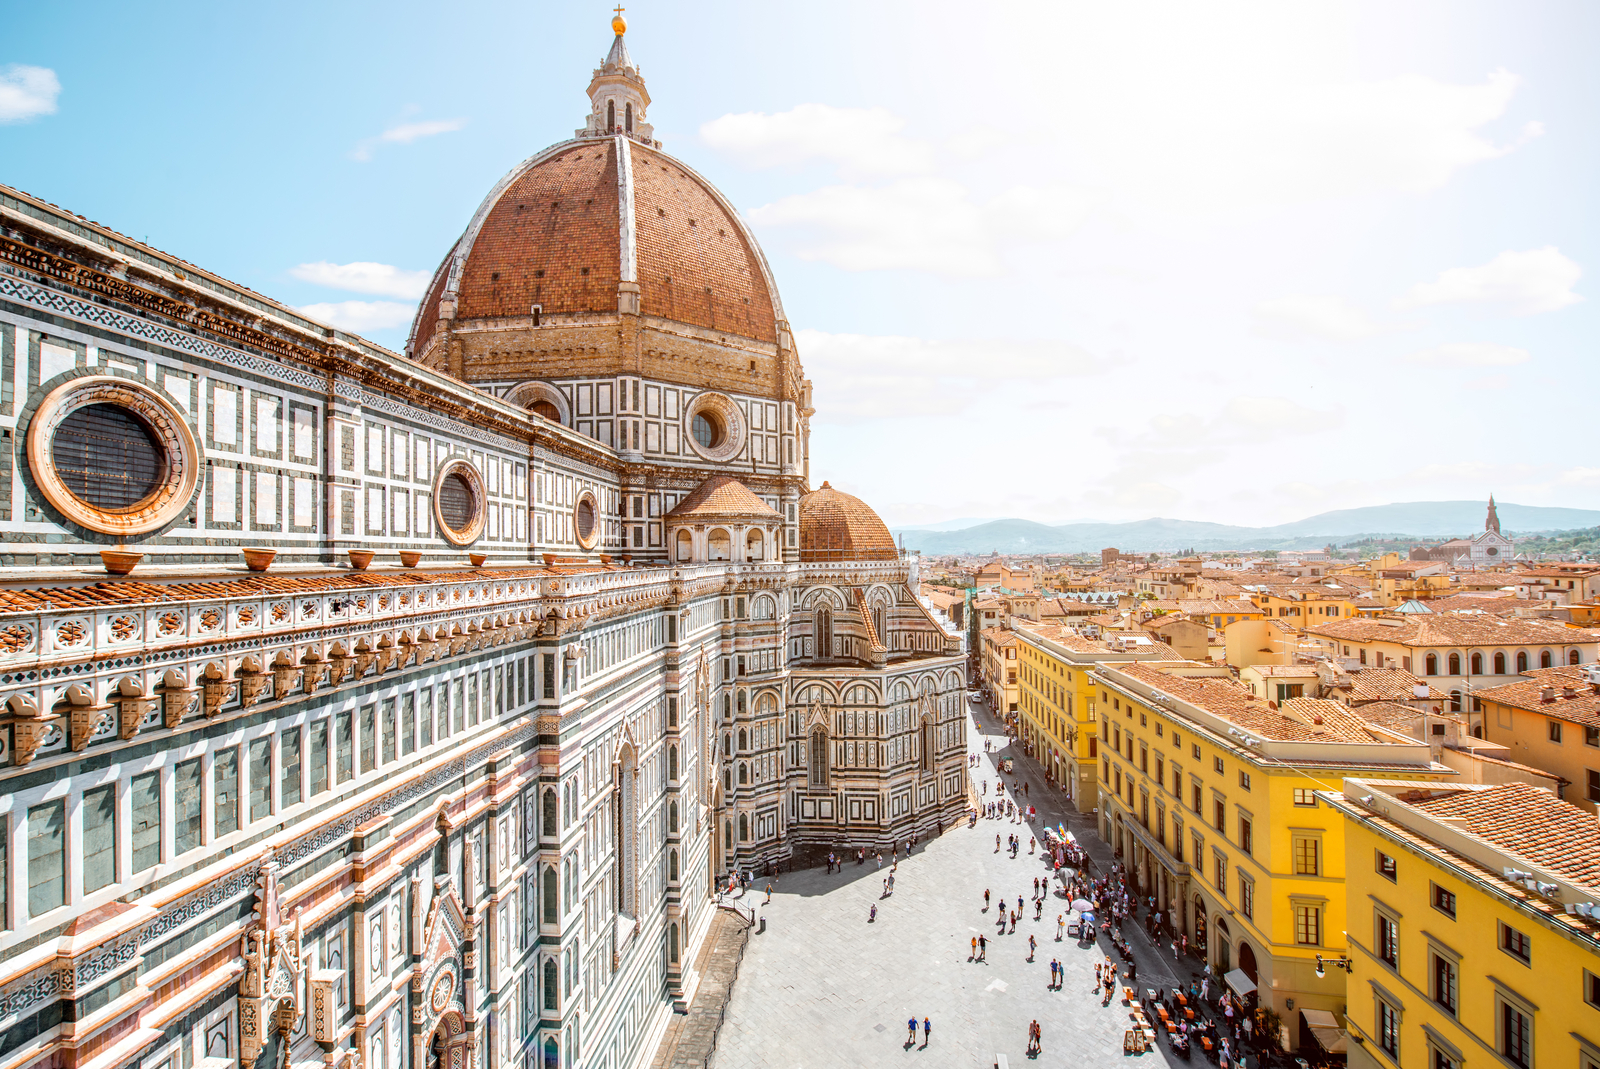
1081 904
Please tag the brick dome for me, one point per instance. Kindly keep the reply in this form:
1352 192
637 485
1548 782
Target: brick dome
835 526
573 229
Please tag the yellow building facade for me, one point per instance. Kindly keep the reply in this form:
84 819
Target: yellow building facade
1209 795
1056 714
1463 951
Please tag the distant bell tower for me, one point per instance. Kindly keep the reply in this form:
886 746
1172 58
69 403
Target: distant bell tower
617 96
1492 522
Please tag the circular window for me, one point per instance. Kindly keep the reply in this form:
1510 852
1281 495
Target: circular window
108 457
113 455
714 426
458 502
707 430
586 520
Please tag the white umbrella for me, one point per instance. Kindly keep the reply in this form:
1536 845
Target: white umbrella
1081 904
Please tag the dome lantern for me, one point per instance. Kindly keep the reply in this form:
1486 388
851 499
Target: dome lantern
617 96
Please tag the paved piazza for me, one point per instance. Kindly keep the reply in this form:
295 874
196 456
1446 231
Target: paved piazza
823 987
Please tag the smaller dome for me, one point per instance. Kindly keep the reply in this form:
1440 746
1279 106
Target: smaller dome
837 527
722 497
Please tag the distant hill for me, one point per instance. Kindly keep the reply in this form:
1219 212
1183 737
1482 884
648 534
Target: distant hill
1411 519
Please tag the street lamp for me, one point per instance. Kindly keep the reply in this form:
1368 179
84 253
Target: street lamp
1323 964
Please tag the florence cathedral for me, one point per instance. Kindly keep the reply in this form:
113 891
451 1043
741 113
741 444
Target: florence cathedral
380 710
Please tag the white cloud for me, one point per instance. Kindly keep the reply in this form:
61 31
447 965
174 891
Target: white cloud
27 93
405 133
860 141
1470 354
1323 317
927 224
875 376
364 277
1539 280
361 315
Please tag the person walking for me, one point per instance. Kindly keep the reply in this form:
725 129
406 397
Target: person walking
983 947
927 1031
986 900
1031 946
911 1027
974 949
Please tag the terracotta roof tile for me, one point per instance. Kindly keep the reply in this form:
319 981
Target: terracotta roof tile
1528 821
835 526
723 497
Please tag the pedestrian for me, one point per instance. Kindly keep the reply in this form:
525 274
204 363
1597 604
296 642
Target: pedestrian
769 894
1038 908
1061 925
927 1031
911 1026
880 859
1019 903
1096 976
986 900
974 949
983 947
1031 946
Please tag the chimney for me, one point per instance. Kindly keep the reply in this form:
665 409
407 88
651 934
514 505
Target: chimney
1568 692
1547 694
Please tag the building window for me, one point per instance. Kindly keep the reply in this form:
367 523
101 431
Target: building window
1305 796
1305 856
1516 1035
225 792
1220 873
1244 780
1445 990
1389 1029
1386 866
1388 941
1444 901
1441 1060
1308 925
1455 664
1591 989
1246 839
1515 943
1247 898
1499 664
1219 810
1555 730
146 820
99 837
47 831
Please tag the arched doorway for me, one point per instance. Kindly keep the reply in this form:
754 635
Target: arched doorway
1247 961
1224 951
447 1046
1200 924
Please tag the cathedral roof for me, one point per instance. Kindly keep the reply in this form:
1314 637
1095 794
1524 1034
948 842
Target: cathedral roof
835 526
722 497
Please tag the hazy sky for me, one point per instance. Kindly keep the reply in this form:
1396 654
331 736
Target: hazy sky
1239 263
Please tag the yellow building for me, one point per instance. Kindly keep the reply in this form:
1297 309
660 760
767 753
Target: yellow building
1209 795
1000 669
1470 938
1302 606
1056 714
1550 719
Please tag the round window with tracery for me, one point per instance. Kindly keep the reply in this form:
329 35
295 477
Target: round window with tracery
113 455
458 502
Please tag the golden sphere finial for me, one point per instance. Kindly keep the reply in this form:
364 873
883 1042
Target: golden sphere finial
619 25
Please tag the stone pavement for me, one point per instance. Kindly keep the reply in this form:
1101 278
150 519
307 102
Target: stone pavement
692 1036
823 986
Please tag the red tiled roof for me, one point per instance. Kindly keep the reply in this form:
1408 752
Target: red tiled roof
1528 821
723 497
835 526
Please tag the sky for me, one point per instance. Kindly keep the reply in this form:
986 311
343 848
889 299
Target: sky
1061 261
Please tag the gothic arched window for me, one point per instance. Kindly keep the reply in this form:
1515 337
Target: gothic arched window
627 830
550 830
819 758
627 117
611 116
824 634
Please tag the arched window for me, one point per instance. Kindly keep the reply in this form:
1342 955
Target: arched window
627 117
927 744
672 762
1477 664
819 758
1432 662
727 745
685 546
824 634
743 740
672 818
550 831
1574 658
753 546
672 941
1522 661
627 817
727 779
1544 659
1455 701
719 546
744 828
727 835
551 990
551 901
611 116
1455 664
878 622
672 866
1499 664
744 773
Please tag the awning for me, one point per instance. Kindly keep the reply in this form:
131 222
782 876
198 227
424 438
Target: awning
1330 1037
1242 985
